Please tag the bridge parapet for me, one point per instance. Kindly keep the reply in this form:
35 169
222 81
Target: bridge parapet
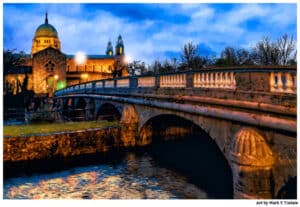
146 81
173 81
273 81
285 82
214 80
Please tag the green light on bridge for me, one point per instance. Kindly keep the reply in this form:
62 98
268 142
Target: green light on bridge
61 84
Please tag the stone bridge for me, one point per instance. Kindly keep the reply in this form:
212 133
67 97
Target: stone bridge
248 113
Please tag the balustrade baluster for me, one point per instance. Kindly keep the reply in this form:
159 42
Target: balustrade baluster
213 80
201 79
208 80
174 81
218 82
204 80
289 83
279 82
226 81
195 80
295 83
232 80
223 84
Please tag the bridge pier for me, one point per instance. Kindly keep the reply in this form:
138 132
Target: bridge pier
129 126
252 162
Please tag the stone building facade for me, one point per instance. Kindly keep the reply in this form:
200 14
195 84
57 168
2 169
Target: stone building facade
49 70
53 70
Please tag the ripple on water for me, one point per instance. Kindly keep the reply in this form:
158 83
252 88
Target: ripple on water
134 178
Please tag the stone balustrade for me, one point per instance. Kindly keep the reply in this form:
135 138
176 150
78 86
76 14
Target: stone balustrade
99 84
88 85
214 80
173 81
123 83
109 84
146 82
254 79
283 82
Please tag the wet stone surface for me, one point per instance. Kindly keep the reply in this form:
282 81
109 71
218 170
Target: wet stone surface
135 177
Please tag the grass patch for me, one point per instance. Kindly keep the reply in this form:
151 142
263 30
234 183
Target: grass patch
43 128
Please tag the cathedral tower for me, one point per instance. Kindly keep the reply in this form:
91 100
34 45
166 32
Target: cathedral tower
120 46
109 49
45 36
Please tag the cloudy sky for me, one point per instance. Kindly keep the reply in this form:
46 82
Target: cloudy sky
149 31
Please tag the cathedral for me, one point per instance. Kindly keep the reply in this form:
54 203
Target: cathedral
48 69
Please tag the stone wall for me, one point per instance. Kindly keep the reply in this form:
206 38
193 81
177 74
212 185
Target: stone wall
62 144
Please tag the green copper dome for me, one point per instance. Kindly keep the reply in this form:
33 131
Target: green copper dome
46 30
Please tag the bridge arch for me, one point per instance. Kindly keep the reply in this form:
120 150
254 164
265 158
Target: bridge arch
191 149
79 109
108 111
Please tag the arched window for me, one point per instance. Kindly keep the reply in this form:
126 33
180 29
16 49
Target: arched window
50 66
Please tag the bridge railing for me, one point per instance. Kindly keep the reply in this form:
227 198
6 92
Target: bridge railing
214 80
254 79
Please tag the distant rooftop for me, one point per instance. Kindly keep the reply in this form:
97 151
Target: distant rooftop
94 56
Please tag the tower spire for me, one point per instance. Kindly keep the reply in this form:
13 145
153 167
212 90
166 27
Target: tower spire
46 18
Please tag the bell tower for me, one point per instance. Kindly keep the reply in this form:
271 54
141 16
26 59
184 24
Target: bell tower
109 49
120 46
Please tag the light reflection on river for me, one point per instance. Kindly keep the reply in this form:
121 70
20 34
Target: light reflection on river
135 177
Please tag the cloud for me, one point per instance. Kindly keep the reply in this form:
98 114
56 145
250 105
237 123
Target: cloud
149 31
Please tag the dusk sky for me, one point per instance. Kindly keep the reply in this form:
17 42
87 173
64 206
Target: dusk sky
149 31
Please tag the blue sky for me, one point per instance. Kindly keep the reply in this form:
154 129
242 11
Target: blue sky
149 31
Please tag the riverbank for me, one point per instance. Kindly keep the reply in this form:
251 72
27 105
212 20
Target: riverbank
22 130
60 144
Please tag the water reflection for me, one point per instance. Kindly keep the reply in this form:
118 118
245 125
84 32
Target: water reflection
135 177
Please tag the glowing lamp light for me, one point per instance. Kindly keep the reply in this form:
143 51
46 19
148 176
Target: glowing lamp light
56 77
84 76
80 58
127 59
61 84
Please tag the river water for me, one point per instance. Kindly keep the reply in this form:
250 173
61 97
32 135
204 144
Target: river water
160 172
135 177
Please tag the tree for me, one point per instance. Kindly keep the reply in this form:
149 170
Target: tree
280 52
265 52
286 47
229 55
243 57
157 67
11 59
189 56
137 67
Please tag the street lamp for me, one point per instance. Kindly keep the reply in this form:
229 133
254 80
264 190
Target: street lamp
80 58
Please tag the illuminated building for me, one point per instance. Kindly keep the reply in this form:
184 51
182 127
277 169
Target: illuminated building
51 69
